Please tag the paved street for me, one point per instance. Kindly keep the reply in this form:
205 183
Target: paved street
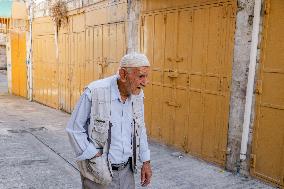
3 82
35 154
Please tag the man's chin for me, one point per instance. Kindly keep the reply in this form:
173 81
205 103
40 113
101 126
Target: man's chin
136 92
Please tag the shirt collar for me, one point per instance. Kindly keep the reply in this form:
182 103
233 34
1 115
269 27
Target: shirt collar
114 88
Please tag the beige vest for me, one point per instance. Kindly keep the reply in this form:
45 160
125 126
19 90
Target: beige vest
98 130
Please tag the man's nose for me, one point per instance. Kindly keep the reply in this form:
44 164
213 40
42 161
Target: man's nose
145 81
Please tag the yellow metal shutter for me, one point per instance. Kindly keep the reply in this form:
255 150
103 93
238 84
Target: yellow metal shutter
191 53
268 140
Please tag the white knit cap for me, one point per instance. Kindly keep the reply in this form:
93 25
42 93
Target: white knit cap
133 60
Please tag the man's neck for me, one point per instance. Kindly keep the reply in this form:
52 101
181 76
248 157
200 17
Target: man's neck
122 90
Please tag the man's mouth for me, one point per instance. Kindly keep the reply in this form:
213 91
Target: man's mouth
141 87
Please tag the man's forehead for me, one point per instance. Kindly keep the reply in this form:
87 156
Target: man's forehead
142 70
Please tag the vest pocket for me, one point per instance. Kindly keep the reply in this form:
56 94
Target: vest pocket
100 130
99 168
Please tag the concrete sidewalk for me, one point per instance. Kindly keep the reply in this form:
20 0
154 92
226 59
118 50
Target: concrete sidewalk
35 154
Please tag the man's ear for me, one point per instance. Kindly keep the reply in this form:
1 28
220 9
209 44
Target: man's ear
123 74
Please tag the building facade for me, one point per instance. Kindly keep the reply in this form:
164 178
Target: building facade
216 77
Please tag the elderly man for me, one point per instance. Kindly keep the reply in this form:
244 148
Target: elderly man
107 129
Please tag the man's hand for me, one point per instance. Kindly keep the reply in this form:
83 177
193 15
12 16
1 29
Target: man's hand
146 173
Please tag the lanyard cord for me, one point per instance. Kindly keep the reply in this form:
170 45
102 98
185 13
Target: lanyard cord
134 138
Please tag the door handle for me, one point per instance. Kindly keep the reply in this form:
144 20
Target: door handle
172 73
172 103
179 59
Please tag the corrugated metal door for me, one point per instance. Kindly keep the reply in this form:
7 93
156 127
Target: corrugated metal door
87 50
105 45
90 63
45 65
113 42
37 70
268 140
64 79
153 32
84 56
187 100
15 61
51 80
77 66
19 69
45 71
98 52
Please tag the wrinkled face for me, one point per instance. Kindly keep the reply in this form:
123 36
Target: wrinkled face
136 79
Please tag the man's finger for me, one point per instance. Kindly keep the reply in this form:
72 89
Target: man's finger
142 176
147 181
